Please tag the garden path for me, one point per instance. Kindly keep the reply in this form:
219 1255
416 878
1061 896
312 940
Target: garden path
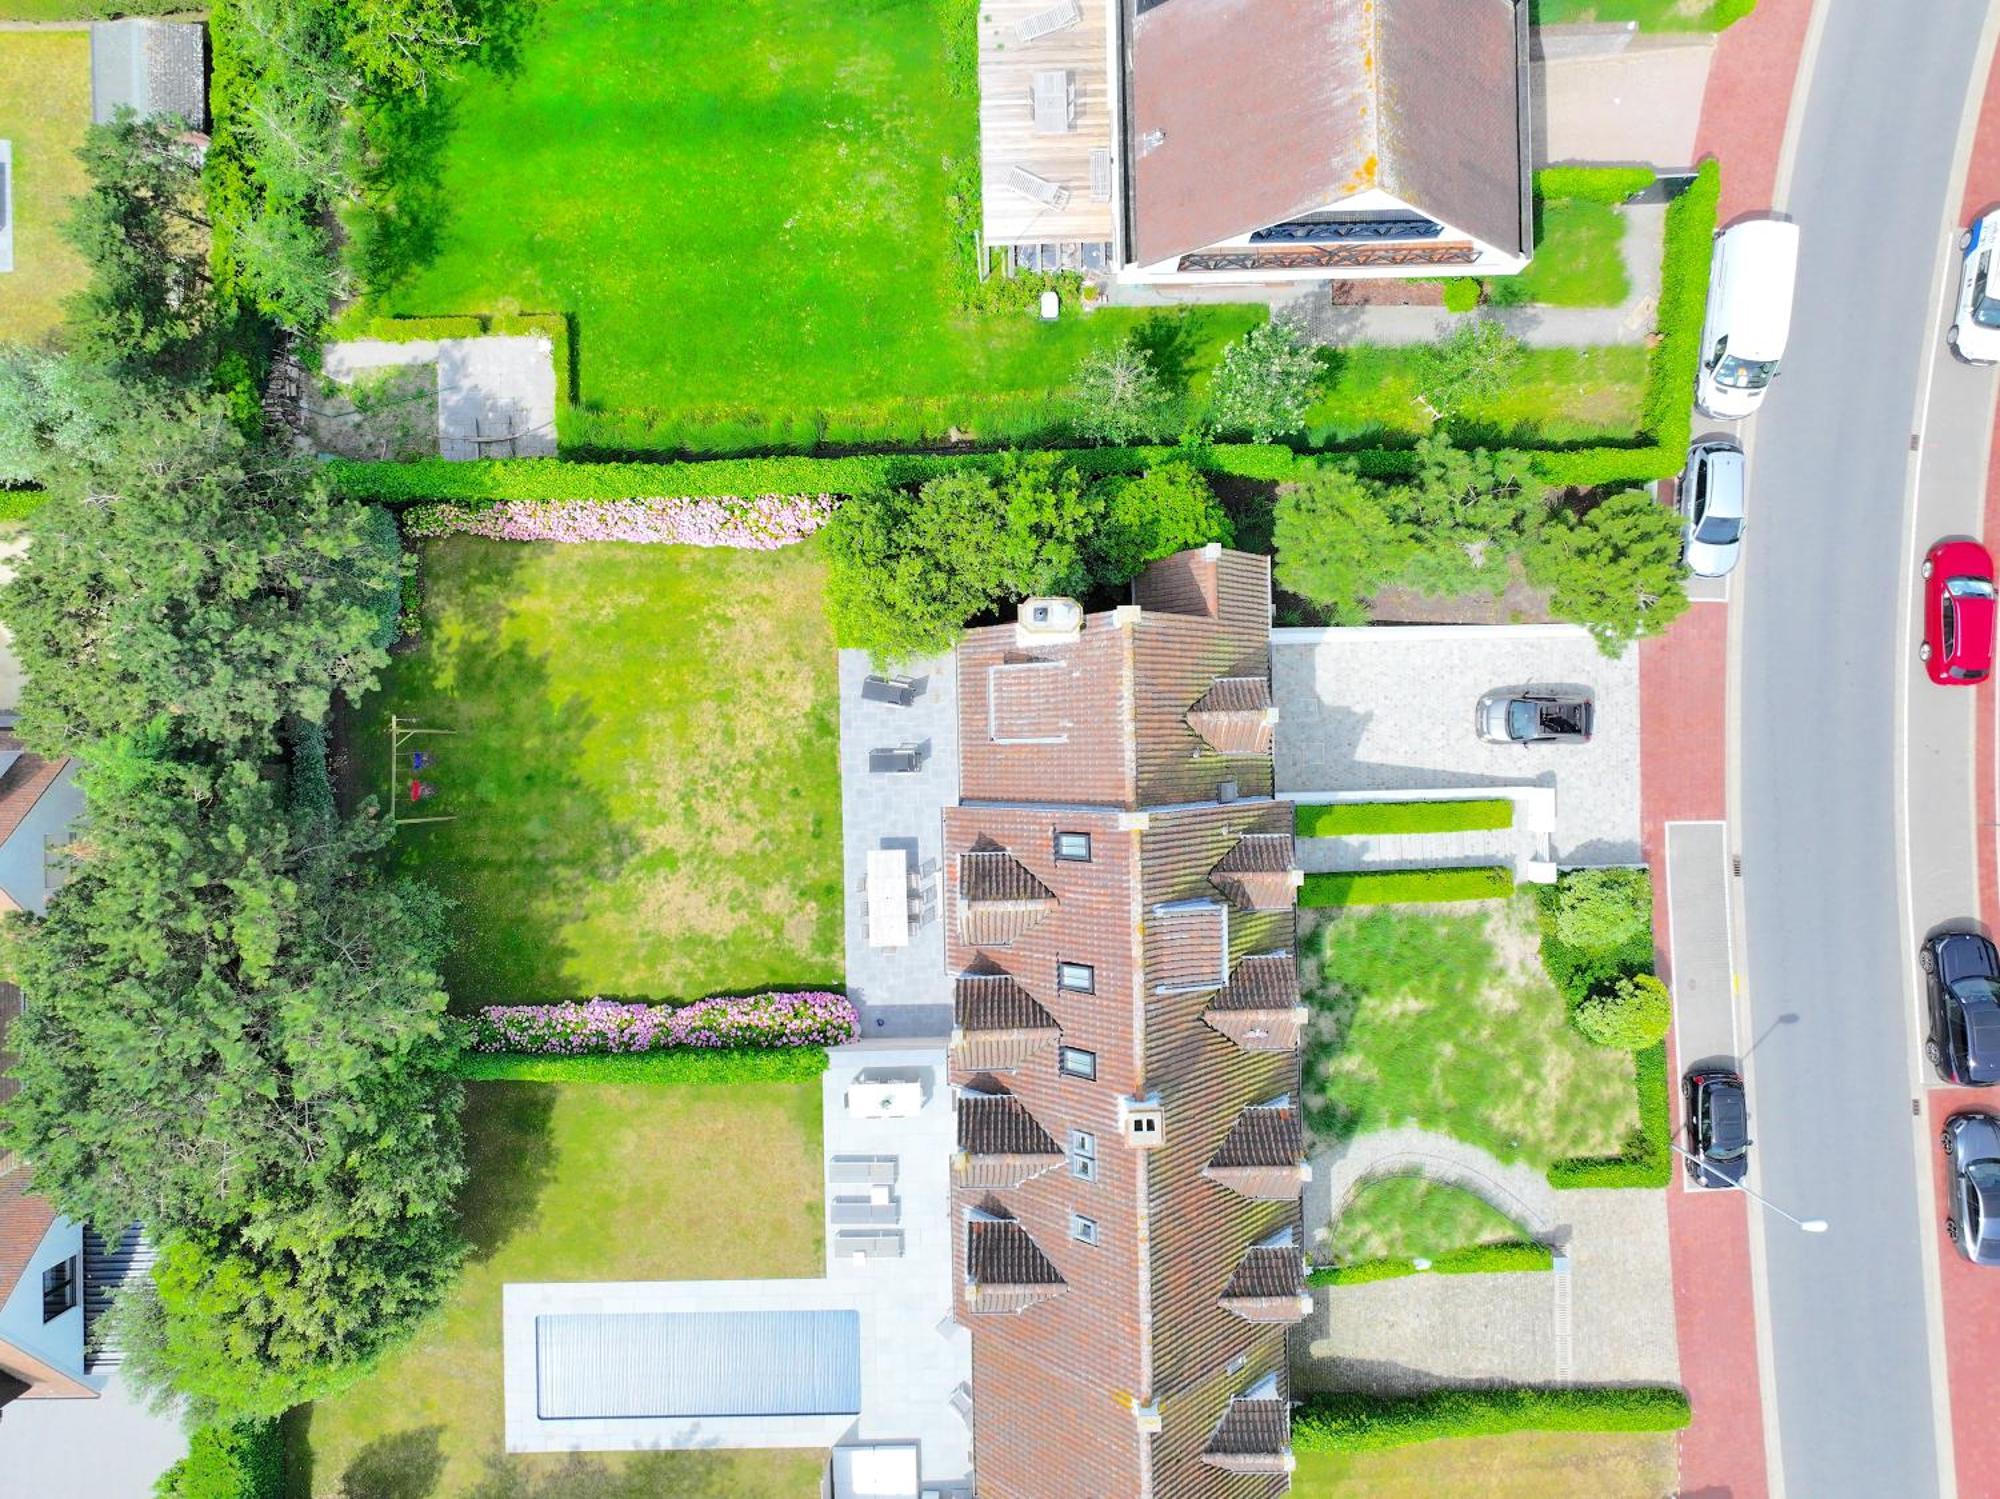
1605 1316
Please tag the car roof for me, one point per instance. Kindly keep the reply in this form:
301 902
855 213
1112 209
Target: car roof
1728 1115
1761 258
1982 1036
1725 481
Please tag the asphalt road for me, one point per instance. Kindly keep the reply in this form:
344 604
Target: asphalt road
1821 627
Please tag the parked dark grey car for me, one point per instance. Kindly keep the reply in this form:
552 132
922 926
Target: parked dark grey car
1972 1142
1718 1128
1526 717
1962 987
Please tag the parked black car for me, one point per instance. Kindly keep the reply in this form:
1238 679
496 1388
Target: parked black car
1972 1141
1962 982
1718 1127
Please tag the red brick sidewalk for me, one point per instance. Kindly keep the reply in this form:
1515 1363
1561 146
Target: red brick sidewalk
1683 750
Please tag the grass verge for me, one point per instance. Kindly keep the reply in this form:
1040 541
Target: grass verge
1363 1423
1646 1160
1522 1465
1382 887
1356 819
1414 1217
693 1067
45 112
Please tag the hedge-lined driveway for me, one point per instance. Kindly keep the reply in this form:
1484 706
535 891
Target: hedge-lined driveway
1390 708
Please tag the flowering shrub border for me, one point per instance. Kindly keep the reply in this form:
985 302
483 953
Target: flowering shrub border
602 1027
765 523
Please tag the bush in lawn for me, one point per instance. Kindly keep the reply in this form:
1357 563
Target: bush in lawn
1265 384
1367 1423
1165 510
1337 542
1633 1013
1461 294
1603 910
1615 570
1119 395
1470 362
241 1461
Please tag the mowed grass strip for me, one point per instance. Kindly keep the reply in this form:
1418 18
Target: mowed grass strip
1555 395
1525 1465
1356 819
45 112
642 769
1579 255
1408 1217
584 1182
1444 1020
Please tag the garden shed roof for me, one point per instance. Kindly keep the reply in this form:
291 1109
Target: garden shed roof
155 68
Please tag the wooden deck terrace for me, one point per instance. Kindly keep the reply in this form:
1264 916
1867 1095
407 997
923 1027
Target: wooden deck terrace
1008 137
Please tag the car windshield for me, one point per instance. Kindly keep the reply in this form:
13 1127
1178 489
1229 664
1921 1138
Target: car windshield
1524 720
1984 1174
1986 312
1970 588
1745 374
1718 530
1978 990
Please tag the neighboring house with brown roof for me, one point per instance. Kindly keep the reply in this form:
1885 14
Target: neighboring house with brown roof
39 801
1259 140
1119 889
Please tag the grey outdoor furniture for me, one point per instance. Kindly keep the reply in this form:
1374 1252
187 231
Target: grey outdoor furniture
1055 101
861 1170
1042 23
898 692
905 759
864 1212
870 1243
1026 183
1100 176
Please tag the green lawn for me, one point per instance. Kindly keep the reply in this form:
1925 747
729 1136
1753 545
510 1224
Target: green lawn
44 111
757 248
581 1182
1524 1465
1408 1217
1443 1018
644 769
1557 395
1579 256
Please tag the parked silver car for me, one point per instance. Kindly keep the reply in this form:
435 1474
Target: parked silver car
1972 1142
1535 716
1711 500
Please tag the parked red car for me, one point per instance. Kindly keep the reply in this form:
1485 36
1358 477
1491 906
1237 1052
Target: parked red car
1958 614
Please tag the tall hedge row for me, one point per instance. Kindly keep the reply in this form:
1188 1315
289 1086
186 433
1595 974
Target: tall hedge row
1369 1423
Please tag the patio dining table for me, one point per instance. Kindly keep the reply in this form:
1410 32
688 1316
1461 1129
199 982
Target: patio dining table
888 897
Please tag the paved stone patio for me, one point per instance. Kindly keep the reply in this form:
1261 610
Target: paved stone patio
496 395
1390 708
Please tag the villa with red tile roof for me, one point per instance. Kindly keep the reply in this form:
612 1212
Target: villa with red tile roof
1119 926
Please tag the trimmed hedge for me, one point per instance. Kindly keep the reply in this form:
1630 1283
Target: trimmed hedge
244 1461
1592 184
1646 1161
1356 819
1473 1259
1384 887
1370 1423
694 1066
1667 409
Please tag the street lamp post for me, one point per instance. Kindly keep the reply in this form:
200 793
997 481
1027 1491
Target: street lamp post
1809 1225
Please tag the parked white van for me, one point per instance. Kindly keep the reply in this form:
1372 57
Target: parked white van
1750 283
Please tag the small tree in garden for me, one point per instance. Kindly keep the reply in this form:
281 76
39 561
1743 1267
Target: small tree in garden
1051 516
906 570
1472 362
1167 509
1120 395
1615 570
1470 509
1631 1014
1265 384
1602 910
1337 542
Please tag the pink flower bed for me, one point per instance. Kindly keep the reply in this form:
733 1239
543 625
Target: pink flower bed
765 523
575 1028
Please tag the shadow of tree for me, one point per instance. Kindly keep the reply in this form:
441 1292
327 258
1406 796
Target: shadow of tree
507 1158
402 1465
1170 340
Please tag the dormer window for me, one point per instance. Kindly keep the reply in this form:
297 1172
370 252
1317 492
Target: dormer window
1142 1120
1073 847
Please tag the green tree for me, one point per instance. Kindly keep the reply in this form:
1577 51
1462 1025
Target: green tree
1630 1015
1168 509
55 411
907 569
1470 510
188 573
1469 363
1265 384
398 45
1616 570
1337 542
1603 910
1119 395
141 228
243 1460
1052 519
